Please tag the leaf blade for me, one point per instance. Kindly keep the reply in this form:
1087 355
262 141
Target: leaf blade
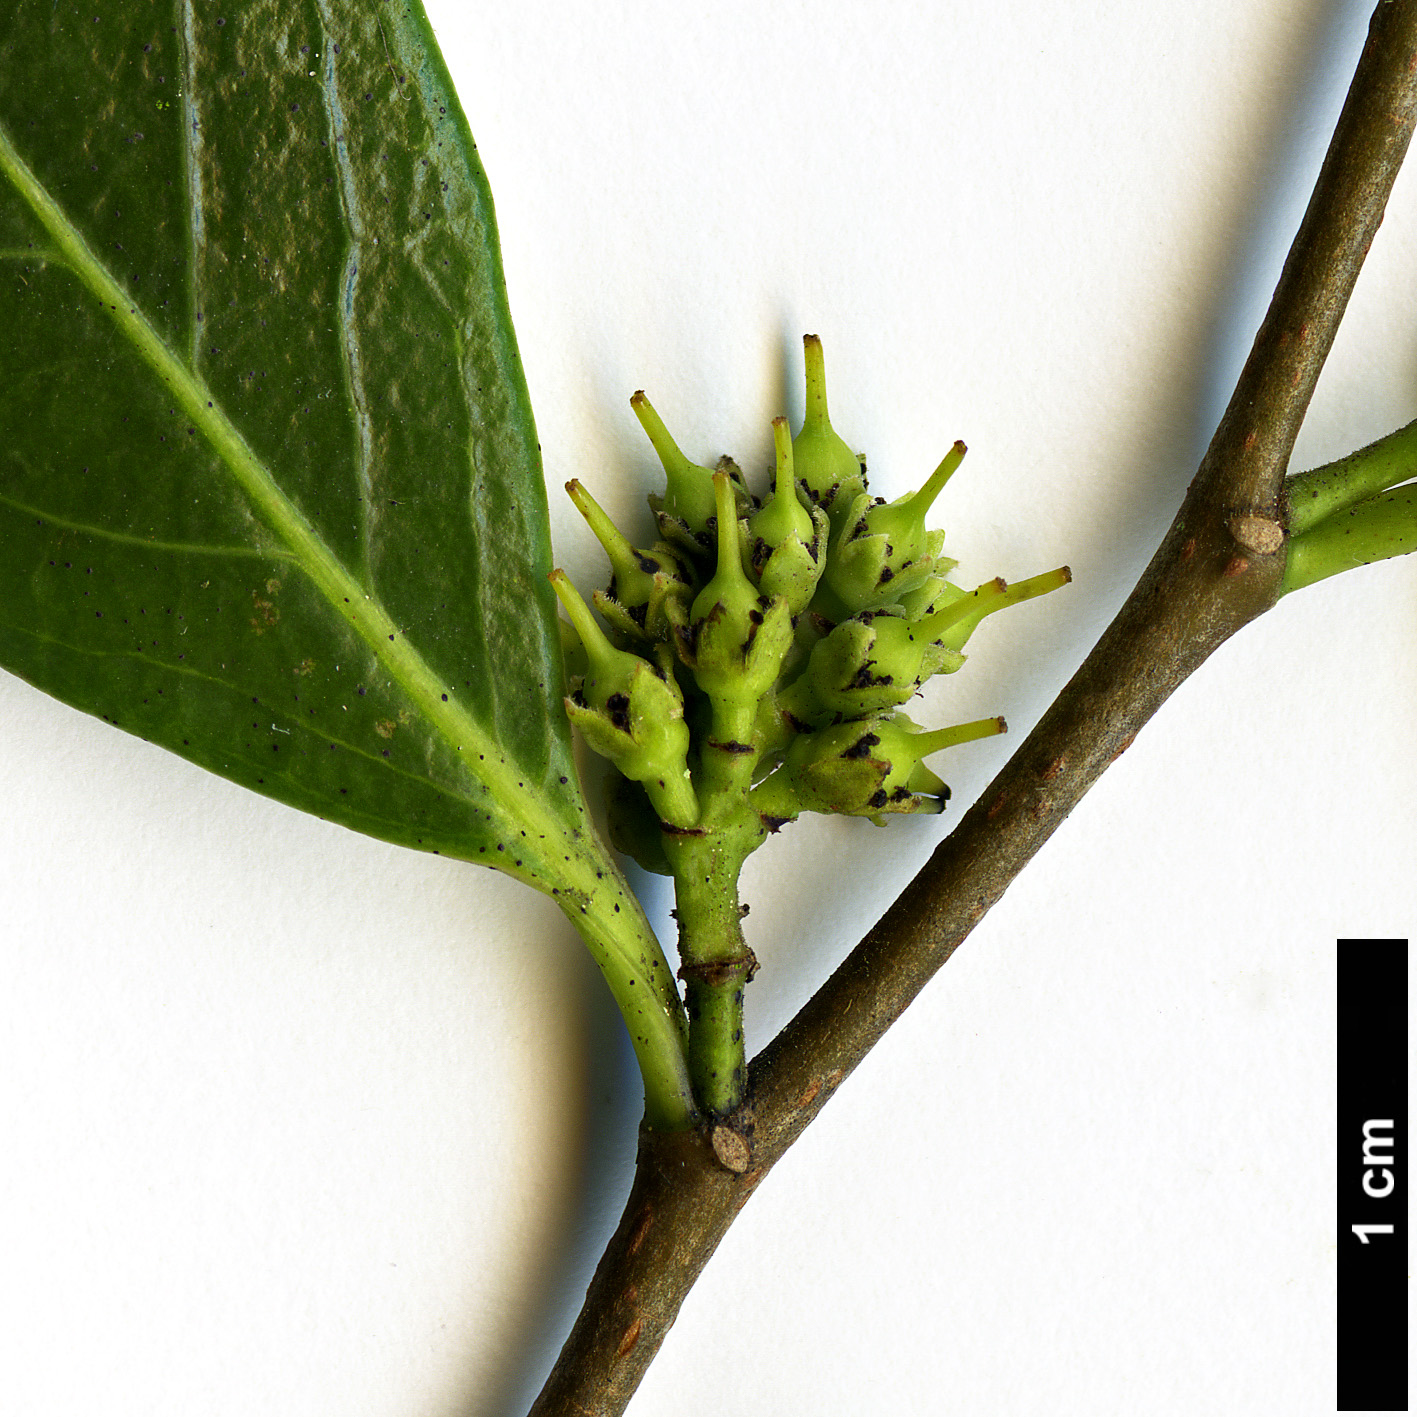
411 506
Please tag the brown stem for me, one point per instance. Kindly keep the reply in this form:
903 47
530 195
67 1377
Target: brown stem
1218 568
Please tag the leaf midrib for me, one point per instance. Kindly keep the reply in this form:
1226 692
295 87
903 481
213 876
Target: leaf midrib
366 616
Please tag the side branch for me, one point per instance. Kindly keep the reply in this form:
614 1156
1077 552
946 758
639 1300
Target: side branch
1249 454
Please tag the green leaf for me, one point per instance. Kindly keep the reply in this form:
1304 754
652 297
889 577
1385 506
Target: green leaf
270 492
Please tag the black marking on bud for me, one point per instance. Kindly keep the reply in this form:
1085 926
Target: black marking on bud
648 565
687 638
774 824
864 679
618 707
731 746
861 748
886 575
878 798
756 616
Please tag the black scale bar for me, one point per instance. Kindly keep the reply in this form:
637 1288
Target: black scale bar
1372 1175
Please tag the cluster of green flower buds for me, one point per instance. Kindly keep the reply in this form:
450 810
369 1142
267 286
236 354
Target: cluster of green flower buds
789 630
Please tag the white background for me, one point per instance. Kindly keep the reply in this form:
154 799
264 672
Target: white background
300 1125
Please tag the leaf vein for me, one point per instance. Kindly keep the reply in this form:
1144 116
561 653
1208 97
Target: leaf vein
129 539
192 145
351 360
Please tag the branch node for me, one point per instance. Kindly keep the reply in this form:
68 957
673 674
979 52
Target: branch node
732 1149
715 973
1261 535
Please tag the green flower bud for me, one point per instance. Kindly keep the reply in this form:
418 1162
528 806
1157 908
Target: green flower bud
880 658
884 550
788 542
686 511
631 712
867 768
649 591
910 786
868 663
831 473
736 639
827 771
